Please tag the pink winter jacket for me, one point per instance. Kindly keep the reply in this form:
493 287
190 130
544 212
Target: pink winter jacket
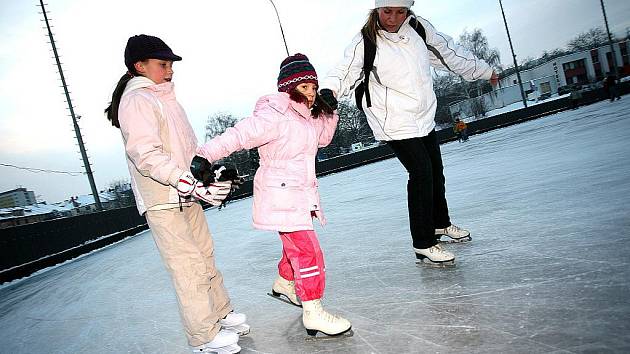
287 137
159 142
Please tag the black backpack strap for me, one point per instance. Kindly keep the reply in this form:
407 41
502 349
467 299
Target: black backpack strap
369 53
423 34
416 25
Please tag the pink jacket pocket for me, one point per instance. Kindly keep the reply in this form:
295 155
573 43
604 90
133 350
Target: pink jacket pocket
283 194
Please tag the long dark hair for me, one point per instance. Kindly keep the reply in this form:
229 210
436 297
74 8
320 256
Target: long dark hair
372 25
319 107
112 110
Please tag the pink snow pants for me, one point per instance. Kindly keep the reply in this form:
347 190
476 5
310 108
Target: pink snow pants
303 261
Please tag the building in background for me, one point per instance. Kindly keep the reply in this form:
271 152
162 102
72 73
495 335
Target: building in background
119 197
582 68
18 197
585 69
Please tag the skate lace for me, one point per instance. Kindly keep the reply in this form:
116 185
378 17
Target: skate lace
454 228
327 316
437 249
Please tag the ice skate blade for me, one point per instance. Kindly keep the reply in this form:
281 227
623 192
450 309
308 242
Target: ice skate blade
321 336
456 240
228 349
429 263
283 298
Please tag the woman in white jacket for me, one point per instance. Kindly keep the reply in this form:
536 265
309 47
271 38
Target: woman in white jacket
400 108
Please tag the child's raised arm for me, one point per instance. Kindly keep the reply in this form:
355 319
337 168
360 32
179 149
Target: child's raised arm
326 124
248 133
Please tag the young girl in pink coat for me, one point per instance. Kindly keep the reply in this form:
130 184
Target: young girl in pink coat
287 128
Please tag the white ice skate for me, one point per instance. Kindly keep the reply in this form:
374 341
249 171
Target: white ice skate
316 319
286 288
435 255
235 322
225 342
455 233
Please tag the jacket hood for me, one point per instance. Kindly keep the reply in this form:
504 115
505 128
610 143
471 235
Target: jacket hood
281 102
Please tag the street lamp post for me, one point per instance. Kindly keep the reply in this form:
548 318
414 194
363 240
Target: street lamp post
610 41
518 73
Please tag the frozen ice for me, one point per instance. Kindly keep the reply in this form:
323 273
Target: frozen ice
548 206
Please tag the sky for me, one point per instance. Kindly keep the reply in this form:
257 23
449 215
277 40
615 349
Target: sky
231 54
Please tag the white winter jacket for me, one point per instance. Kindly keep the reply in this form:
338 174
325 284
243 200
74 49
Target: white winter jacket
401 86
159 142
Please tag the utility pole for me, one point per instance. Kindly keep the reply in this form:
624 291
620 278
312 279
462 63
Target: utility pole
610 41
518 73
77 131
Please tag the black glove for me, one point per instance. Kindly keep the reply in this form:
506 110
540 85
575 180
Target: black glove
208 173
328 99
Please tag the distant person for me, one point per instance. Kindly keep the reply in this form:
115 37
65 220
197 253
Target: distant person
160 145
400 107
575 97
287 128
461 130
610 84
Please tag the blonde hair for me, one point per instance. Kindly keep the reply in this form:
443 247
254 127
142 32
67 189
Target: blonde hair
371 26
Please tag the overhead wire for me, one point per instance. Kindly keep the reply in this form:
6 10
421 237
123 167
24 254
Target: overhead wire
38 170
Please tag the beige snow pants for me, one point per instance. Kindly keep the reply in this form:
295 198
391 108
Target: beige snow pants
187 249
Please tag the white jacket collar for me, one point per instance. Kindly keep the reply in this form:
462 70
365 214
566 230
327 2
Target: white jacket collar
400 35
137 82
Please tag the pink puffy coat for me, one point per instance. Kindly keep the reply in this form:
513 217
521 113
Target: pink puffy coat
287 137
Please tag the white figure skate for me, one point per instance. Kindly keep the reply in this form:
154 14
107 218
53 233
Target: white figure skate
284 290
316 319
225 342
235 322
455 233
436 256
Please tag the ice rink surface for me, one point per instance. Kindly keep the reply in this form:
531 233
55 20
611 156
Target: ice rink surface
548 270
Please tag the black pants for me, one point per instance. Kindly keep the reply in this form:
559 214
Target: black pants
426 198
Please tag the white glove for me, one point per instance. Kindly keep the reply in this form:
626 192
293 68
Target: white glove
186 184
214 194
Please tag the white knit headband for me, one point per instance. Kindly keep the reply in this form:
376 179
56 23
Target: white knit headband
393 3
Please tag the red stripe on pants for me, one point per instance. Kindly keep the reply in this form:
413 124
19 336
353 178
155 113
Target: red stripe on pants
303 261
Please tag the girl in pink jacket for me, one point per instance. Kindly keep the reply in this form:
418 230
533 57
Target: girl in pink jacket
159 146
287 128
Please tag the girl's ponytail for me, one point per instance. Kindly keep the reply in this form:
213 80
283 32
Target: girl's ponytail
112 109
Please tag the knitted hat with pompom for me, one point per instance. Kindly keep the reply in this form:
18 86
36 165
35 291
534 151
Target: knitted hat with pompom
294 70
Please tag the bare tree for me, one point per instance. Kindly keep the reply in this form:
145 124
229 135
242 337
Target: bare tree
444 83
593 38
245 161
121 188
352 128
354 123
477 43
217 123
